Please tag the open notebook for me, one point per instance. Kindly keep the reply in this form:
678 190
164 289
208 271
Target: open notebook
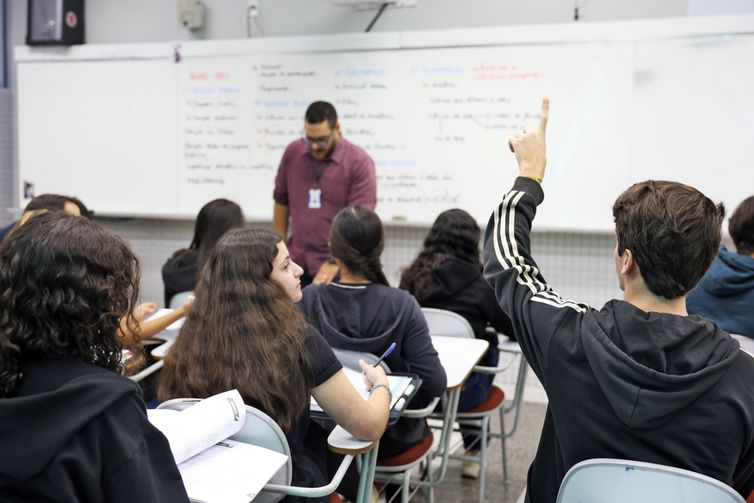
399 386
214 468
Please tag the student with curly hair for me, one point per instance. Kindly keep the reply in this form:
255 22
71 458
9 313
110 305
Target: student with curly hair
447 274
72 428
361 312
244 332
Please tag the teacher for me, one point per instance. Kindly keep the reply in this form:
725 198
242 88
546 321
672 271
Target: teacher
319 175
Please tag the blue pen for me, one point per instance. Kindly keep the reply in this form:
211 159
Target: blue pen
385 354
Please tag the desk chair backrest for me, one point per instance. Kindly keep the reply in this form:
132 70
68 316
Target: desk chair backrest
447 323
258 429
619 481
179 299
747 343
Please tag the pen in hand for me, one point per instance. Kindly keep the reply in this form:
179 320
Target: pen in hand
385 354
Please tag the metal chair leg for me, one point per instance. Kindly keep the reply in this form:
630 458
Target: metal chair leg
502 445
483 457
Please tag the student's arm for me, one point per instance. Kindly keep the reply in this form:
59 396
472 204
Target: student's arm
494 314
535 310
146 329
280 220
326 273
363 419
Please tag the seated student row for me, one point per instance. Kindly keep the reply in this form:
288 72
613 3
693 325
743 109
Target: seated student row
361 312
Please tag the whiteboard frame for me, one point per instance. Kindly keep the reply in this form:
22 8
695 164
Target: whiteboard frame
636 30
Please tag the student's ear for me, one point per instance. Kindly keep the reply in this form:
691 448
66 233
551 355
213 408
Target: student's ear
628 262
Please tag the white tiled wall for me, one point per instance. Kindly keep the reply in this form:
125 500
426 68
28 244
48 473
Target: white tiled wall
579 266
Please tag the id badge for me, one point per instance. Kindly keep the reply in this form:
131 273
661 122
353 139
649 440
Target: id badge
315 198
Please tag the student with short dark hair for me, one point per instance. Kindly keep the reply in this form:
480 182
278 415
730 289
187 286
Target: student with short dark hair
638 379
725 294
71 428
181 272
361 312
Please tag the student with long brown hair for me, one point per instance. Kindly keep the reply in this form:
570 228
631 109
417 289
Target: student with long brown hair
244 332
361 312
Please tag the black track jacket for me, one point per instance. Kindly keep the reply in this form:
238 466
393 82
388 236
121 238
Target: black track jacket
621 383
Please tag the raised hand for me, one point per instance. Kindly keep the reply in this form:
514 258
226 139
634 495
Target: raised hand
530 147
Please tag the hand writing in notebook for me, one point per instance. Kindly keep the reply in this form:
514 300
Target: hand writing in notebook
372 375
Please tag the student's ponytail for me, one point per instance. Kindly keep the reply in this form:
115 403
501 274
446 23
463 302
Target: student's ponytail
356 239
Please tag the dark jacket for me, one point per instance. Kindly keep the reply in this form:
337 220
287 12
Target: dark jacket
622 383
725 294
367 318
458 286
79 433
180 273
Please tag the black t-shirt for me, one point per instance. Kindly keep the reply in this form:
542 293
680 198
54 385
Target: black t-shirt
308 451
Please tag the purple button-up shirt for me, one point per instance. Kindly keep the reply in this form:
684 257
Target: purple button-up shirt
346 178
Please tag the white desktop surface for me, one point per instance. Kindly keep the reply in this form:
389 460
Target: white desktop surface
458 356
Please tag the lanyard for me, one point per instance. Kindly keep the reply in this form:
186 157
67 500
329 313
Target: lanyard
317 167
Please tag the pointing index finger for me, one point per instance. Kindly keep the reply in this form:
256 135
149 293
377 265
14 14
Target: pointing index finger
545 115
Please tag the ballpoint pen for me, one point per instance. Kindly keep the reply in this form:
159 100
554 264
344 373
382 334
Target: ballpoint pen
385 354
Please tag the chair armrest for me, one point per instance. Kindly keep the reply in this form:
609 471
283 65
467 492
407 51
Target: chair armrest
423 412
314 492
148 371
511 347
481 369
342 442
515 352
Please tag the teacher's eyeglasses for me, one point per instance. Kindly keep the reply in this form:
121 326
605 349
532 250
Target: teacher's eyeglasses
317 142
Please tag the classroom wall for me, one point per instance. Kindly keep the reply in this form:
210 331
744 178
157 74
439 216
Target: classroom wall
116 21
7 162
580 266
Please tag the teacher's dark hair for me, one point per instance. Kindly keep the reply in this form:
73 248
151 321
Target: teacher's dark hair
243 331
320 111
454 233
357 240
65 284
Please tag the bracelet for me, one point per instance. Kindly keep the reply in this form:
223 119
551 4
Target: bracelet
537 179
389 393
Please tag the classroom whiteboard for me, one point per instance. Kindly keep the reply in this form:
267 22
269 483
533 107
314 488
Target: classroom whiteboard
159 135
